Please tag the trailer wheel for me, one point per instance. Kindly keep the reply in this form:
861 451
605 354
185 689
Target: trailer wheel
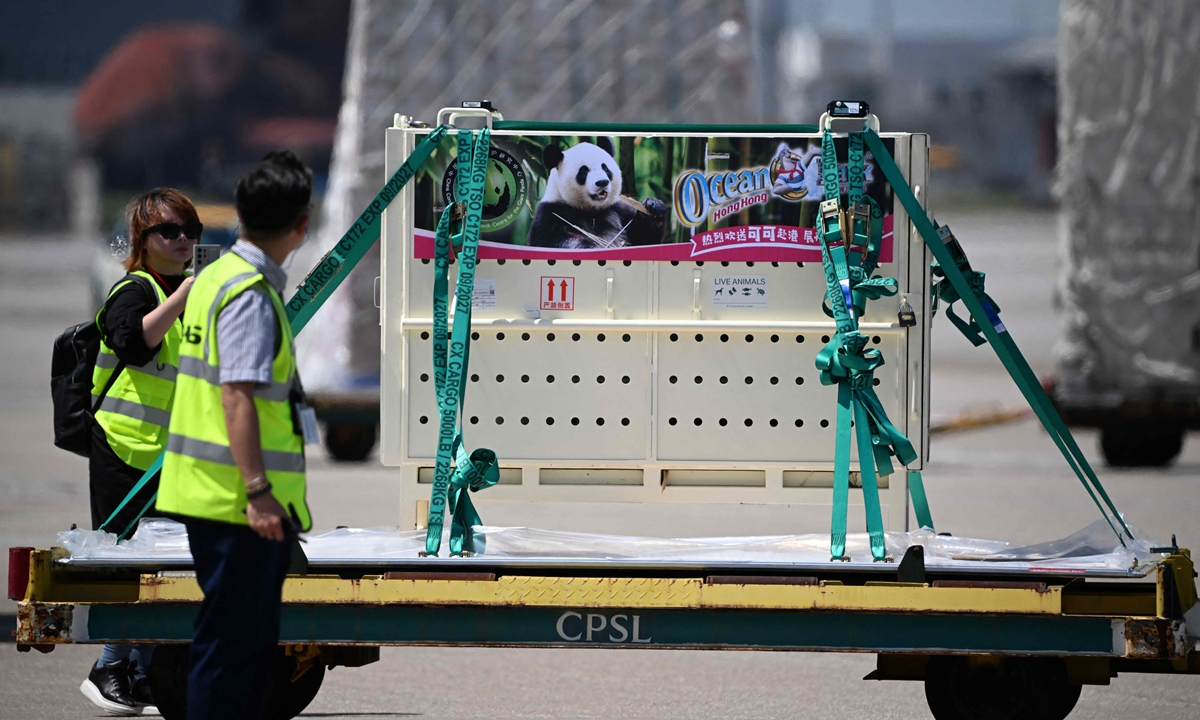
1137 446
287 697
991 688
350 442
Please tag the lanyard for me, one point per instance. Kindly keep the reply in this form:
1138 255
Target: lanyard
451 356
320 282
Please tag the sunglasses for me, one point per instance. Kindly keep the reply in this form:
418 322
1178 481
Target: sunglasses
171 231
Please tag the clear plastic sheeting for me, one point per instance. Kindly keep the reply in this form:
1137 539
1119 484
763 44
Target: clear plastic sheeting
1128 169
1094 548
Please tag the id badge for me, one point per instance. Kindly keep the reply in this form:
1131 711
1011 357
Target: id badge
308 424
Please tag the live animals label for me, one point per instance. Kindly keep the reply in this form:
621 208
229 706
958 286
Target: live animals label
739 291
483 296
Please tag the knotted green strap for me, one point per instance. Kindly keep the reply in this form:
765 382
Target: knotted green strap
321 281
985 319
846 361
451 356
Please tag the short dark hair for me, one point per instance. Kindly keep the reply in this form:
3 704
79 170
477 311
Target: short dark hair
274 194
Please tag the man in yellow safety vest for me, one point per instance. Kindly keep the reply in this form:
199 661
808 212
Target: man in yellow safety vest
234 467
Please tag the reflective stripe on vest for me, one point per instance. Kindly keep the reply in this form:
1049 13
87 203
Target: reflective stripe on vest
136 410
200 477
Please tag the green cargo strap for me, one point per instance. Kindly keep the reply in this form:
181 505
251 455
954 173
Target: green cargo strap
916 489
845 360
985 319
322 280
477 470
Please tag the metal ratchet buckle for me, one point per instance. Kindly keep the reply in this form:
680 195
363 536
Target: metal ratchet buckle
831 214
956 251
862 214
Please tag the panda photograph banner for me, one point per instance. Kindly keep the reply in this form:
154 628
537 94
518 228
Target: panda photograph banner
662 197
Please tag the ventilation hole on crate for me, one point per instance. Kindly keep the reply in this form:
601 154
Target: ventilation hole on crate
699 379
627 263
749 422
599 421
699 263
625 379
600 337
600 379
574 421
672 421
674 337
875 382
574 378
724 338
474 336
724 379
799 422
749 380
722 422
499 336
474 419
875 340
750 264
749 338
674 379
799 381
602 263
577 263
774 422
549 421
524 421
799 338
774 338
424 419
474 378
699 337
424 377
424 336
774 381
799 264
550 337
673 262
824 423
524 378
724 263
575 337
451 261
549 378
550 262
774 264
697 422
624 421
525 262
424 261
625 338
500 261
499 420
524 336
499 378
824 338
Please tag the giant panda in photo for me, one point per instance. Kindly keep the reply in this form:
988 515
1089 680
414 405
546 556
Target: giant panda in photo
583 208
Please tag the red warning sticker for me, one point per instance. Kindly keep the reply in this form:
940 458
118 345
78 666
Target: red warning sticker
558 293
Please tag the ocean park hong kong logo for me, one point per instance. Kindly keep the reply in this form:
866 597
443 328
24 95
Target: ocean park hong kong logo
792 176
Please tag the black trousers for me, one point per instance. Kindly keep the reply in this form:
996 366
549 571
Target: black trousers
237 630
110 480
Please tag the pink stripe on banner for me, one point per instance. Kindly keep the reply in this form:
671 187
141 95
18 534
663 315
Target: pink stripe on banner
753 243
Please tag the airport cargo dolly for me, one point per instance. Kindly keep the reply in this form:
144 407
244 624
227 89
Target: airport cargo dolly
681 399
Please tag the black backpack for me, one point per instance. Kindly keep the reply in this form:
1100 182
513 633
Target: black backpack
71 367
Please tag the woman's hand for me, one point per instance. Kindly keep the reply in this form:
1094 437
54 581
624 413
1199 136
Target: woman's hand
158 321
184 288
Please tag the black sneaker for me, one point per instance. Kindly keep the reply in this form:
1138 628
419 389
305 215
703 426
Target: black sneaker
108 688
140 689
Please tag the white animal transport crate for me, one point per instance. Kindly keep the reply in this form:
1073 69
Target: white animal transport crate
649 392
